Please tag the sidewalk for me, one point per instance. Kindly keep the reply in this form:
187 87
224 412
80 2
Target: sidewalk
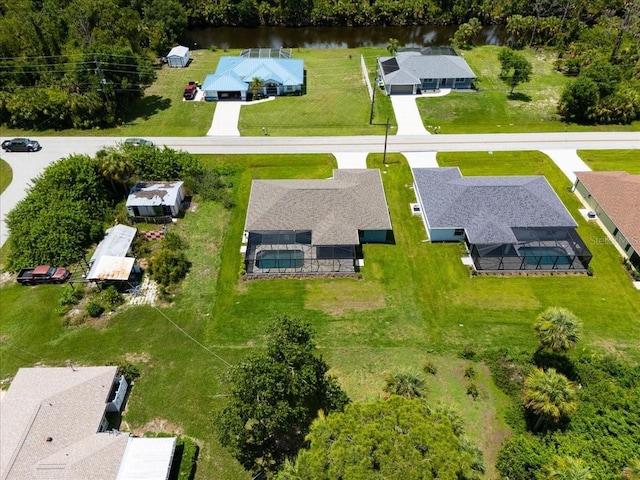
568 161
226 117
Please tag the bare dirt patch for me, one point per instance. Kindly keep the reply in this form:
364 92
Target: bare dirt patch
158 425
134 357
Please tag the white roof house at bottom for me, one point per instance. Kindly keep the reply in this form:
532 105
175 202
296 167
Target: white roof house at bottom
147 459
50 421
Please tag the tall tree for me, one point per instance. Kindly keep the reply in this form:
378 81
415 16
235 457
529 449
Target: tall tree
393 46
392 438
275 396
514 68
115 166
550 395
557 329
566 468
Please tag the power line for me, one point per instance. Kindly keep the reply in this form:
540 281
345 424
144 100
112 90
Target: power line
191 338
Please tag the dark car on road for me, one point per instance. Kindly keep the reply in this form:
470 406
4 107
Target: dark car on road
20 145
136 142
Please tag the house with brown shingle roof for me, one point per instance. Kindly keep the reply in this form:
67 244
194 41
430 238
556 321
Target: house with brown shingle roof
615 198
53 426
314 226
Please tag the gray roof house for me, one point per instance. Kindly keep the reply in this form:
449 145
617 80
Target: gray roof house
53 426
314 226
508 222
413 71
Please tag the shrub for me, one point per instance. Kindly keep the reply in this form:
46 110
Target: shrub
472 390
405 383
468 352
129 370
470 373
430 367
168 267
94 309
111 297
70 296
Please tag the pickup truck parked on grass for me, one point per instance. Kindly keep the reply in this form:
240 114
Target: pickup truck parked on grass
43 274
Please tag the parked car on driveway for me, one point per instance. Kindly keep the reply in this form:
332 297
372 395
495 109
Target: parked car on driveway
43 274
136 142
190 91
21 145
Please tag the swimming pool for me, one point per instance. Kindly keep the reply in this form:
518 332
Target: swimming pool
280 259
545 255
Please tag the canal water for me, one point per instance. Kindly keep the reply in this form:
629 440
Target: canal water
334 37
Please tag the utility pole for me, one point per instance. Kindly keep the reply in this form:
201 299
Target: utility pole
386 134
373 99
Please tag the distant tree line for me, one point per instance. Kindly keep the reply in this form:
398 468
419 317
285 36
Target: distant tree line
394 12
80 63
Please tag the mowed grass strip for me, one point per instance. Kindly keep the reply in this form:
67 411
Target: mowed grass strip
532 108
608 160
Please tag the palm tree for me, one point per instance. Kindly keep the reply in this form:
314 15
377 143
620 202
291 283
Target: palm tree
557 329
550 395
566 468
115 166
405 383
256 85
393 46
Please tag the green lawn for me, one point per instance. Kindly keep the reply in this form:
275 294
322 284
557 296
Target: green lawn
6 175
336 102
415 300
627 160
490 110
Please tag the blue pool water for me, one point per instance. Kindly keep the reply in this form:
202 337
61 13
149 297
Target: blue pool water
545 255
280 259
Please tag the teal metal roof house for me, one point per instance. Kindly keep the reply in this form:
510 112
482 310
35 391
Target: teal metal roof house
233 76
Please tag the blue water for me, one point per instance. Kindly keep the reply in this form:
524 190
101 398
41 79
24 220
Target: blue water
280 259
545 255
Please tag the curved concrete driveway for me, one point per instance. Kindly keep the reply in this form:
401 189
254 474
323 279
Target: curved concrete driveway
407 113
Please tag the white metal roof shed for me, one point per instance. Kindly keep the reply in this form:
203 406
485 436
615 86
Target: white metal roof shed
147 459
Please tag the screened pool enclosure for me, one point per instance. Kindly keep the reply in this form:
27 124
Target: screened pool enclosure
535 249
291 252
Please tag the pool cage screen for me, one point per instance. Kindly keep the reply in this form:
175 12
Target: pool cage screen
291 252
535 249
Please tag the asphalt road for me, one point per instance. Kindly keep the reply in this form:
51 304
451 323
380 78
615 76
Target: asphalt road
27 166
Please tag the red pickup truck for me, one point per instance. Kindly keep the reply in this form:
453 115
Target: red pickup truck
190 91
43 274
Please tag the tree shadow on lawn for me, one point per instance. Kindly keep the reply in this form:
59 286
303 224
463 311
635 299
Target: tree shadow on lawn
520 97
147 106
